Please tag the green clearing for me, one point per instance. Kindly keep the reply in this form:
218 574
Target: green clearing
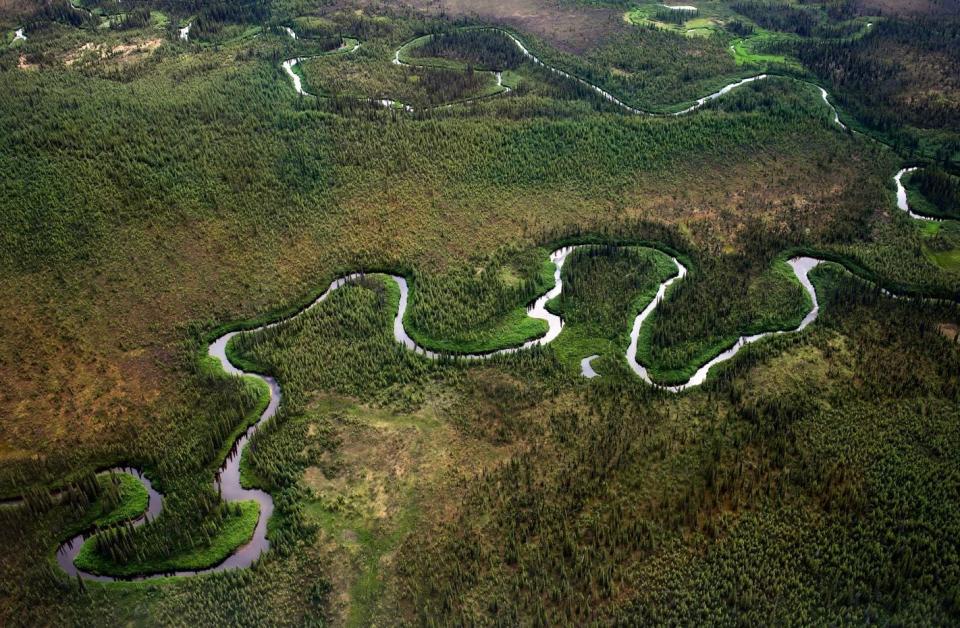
941 243
159 19
947 260
939 240
705 22
369 546
511 79
750 50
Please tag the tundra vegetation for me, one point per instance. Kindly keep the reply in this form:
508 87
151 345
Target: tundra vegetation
157 191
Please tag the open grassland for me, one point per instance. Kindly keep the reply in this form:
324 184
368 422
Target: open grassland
941 244
754 50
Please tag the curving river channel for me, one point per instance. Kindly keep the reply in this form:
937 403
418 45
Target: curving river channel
902 202
227 480
396 60
385 102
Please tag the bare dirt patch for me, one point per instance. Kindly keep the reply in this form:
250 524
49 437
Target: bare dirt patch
949 331
144 46
122 53
13 10
23 64
87 50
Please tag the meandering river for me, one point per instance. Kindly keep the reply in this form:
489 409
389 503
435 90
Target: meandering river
389 103
396 60
902 202
227 480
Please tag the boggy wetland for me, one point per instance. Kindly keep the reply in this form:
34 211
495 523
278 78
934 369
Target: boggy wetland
509 312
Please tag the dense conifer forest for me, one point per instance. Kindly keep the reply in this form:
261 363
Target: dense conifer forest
362 205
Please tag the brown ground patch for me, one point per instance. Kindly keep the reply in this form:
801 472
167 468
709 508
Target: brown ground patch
570 28
909 7
23 64
14 9
928 77
383 456
143 46
81 394
122 53
87 50
390 472
949 330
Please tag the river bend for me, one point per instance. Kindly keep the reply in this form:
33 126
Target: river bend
227 480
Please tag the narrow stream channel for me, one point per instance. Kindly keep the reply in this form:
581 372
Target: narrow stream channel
903 203
68 550
288 64
227 481
390 103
